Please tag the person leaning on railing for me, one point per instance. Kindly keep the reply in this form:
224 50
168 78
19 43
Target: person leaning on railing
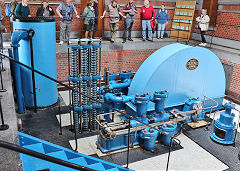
203 24
89 18
65 12
45 10
114 16
22 9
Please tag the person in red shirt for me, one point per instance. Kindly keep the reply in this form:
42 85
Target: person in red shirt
147 13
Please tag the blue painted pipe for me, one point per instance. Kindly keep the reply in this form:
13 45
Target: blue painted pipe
125 75
16 37
113 84
117 99
116 85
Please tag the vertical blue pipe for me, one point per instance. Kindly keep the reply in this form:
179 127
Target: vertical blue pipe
16 37
18 81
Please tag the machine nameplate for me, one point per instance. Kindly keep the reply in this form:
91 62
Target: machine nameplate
192 64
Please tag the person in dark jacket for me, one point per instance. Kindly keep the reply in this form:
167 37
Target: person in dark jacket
22 9
45 10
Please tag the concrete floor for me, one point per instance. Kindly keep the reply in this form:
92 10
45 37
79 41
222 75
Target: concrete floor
9 160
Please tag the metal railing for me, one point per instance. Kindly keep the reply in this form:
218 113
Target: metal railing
211 32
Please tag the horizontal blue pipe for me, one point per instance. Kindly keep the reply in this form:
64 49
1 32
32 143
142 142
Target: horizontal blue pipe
124 84
117 99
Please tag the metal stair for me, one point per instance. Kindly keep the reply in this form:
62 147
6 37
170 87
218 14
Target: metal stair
44 147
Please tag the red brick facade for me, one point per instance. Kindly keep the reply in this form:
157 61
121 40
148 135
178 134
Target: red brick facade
116 61
228 26
234 90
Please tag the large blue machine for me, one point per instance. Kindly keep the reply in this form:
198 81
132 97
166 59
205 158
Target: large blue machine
175 85
43 48
185 71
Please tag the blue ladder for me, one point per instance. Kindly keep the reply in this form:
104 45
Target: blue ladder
44 147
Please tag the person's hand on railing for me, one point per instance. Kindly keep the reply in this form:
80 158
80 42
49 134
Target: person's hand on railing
101 17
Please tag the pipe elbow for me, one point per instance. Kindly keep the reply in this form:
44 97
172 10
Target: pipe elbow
124 84
115 99
17 36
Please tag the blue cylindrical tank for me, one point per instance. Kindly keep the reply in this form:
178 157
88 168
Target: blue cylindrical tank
44 53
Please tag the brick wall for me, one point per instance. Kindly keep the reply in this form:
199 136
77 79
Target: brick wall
228 24
116 61
131 60
234 90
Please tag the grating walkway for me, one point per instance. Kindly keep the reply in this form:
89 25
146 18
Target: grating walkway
32 163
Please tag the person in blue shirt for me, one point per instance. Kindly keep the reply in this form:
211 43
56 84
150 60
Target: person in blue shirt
162 19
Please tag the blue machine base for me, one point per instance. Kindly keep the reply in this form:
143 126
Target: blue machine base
220 140
119 142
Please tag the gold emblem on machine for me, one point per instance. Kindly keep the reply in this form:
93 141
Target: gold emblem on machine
192 64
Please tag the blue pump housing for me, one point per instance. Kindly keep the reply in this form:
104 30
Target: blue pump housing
224 128
150 138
